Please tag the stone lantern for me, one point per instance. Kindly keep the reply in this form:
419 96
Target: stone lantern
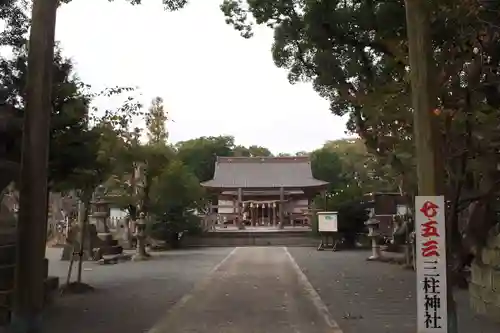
108 249
374 234
140 234
100 212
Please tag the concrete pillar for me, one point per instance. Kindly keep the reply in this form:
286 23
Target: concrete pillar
281 208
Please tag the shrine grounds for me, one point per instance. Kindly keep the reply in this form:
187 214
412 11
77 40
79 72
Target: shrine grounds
131 297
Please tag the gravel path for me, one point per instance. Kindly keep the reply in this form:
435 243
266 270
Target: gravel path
373 297
130 297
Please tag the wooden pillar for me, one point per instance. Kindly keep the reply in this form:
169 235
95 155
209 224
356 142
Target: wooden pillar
251 213
234 212
281 208
254 215
241 225
269 211
274 214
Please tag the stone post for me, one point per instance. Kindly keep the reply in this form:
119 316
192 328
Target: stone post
140 234
281 208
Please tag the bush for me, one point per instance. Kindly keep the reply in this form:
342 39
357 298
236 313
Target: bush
170 228
351 221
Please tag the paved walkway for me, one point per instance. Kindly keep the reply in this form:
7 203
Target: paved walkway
254 290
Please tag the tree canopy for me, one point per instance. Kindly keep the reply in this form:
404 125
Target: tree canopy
355 53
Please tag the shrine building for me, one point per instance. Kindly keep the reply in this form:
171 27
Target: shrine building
264 191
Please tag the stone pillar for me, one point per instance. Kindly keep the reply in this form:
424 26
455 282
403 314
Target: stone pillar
241 224
281 208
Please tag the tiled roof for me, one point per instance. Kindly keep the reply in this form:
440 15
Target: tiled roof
263 172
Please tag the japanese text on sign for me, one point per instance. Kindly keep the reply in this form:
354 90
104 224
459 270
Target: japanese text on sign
431 264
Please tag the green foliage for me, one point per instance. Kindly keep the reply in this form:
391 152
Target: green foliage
326 165
252 151
200 154
175 194
156 117
355 54
176 187
170 5
71 141
351 220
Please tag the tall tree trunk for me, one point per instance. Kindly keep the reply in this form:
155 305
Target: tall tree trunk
430 172
32 224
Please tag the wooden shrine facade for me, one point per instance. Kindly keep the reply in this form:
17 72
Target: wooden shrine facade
264 190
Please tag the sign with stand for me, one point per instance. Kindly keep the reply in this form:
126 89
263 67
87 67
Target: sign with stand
430 233
328 228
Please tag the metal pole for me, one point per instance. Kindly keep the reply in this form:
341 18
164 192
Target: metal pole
32 224
429 167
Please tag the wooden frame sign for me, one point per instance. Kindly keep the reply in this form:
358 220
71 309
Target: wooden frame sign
327 222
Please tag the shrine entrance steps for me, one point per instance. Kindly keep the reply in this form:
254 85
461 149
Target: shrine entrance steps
254 236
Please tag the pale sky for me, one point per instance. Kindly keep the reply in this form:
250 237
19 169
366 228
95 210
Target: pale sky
213 81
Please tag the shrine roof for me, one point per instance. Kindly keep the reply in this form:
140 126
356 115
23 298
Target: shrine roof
263 172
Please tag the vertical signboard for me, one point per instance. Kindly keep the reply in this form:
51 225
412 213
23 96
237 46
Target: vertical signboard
430 254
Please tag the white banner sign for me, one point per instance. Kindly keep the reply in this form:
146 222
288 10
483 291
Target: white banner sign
430 240
327 222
